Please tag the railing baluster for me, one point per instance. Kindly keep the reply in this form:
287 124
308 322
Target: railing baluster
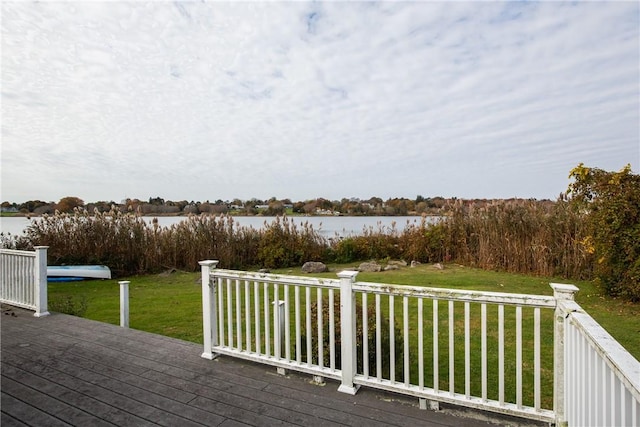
519 356
536 359
420 344
436 378
467 352
392 340
267 321
365 336
405 322
451 349
332 331
221 328
256 316
320 329
229 314
308 324
276 322
605 392
501 354
483 331
296 297
378 339
247 311
287 324
238 316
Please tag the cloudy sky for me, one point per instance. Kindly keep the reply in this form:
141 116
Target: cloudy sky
223 100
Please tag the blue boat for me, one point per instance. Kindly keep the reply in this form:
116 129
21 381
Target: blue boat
66 273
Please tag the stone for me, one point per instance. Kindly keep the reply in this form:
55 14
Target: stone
391 267
415 264
314 267
399 263
371 267
438 266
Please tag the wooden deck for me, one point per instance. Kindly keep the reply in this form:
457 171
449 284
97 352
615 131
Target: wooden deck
64 370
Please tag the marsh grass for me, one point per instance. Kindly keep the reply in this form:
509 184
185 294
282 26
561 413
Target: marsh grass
522 236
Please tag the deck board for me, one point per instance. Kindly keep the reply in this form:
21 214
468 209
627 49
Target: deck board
64 370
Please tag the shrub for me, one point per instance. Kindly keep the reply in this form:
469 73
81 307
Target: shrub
610 202
385 338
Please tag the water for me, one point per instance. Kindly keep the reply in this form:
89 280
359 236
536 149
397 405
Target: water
328 226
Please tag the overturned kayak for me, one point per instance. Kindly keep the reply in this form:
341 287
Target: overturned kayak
77 272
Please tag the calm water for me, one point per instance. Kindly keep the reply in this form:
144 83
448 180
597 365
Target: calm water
328 226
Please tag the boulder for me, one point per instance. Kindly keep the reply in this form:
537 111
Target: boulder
314 267
371 267
415 264
391 267
399 263
438 266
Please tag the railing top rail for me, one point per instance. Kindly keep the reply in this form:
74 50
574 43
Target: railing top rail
398 290
17 252
457 295
276 278
610 350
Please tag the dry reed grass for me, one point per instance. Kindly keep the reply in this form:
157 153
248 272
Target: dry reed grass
522 236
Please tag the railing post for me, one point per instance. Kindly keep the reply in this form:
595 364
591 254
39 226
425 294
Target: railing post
347 332
563 294
40 281
209 309
124 303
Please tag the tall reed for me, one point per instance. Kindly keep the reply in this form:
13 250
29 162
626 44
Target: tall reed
524 236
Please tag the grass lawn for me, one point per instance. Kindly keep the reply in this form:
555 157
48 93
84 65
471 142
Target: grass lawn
171 304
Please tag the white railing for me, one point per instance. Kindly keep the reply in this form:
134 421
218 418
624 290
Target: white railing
601 379
484 350
23 279
531 356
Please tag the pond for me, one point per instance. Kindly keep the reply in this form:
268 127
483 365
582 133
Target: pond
328 226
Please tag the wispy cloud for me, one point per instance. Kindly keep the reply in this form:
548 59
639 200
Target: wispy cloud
334 99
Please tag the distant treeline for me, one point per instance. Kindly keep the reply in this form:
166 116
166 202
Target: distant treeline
374 206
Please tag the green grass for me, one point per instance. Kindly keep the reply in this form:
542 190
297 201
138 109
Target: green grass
171 304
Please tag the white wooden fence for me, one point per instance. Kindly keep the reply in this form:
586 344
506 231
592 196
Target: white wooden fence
439 345
23 279
601 379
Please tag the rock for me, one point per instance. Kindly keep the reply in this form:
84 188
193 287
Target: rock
415 264
391 267
264 270
314 267
370 267
438 266
399 263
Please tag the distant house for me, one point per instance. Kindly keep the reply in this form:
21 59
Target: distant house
10 209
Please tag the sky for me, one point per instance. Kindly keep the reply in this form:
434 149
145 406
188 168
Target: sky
222 100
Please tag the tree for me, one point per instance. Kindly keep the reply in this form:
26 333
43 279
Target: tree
68 204
610 202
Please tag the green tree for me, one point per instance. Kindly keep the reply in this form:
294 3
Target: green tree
610 202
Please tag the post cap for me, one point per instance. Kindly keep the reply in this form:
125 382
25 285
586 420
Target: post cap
562 291
209 263
348 274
